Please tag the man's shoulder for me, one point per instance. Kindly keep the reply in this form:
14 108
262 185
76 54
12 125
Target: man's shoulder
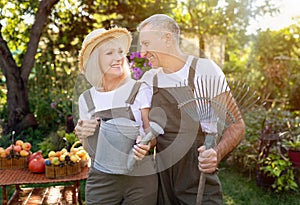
148 75
203 60
206 62
152 71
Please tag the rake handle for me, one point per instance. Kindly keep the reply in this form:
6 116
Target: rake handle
210 141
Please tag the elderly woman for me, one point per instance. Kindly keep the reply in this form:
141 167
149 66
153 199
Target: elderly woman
117 107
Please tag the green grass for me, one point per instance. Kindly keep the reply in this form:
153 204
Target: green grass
239 189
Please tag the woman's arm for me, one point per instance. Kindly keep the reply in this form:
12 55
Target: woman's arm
141 150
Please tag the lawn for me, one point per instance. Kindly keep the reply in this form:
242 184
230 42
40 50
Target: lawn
239 189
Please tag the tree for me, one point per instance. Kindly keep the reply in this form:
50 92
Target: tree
40 41
129 13
17 75
215 17
276 56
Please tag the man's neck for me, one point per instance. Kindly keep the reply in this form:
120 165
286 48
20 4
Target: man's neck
174 63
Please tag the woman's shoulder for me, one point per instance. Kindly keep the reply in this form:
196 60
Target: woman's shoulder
86 93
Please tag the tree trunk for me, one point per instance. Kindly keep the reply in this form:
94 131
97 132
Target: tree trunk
17 99
19 116
201 46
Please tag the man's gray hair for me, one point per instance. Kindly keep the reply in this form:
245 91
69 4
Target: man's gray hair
161 22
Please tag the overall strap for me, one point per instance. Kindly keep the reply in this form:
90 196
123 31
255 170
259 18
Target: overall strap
89 101
133 93
192 72
155 84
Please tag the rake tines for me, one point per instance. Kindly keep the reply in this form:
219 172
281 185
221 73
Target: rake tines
243 96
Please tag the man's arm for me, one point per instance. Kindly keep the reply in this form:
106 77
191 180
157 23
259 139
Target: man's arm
233 135
209 159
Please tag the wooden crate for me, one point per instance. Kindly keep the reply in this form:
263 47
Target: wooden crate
14 163
73 168
55 171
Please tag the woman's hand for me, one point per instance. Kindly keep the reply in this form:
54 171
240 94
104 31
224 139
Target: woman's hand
140 150
86 128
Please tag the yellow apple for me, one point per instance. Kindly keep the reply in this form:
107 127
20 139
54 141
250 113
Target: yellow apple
3 154
80 153
26 146
24 153
51 154
19 142
2 150
62 158
64 150
74 158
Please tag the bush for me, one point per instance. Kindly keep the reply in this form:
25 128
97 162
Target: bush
280 168
267 155
245 155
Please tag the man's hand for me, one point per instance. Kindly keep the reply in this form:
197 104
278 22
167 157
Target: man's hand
207 160
86 128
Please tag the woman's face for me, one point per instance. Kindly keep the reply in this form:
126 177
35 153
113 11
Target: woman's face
111 58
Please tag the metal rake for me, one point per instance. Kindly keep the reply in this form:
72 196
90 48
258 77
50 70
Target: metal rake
216 104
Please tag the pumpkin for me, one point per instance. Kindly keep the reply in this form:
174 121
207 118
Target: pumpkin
34 155
37 165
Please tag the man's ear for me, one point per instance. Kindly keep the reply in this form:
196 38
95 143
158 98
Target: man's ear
168 39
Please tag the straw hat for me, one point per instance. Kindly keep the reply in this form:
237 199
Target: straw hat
99 35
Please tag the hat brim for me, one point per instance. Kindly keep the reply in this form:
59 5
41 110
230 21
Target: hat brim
122 34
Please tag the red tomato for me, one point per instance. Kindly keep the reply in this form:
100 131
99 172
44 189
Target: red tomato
37 165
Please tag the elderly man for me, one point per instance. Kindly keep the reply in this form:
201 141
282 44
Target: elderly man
180 151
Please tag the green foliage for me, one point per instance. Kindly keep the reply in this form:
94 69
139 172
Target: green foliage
70 139
292 134
130 12
280 168
279 120
207 17
245 155
34 136
51 112
275 55
15 17
57 140
271 160
294 144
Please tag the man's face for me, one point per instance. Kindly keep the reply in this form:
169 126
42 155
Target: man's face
153 46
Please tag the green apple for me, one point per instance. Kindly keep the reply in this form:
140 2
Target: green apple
55 161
